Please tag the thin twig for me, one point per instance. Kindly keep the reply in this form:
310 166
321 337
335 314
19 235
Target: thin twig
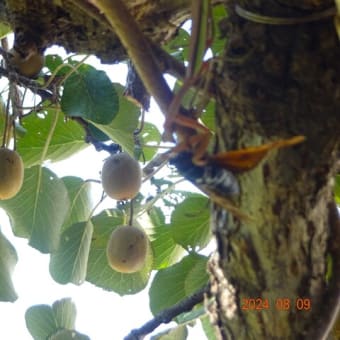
131 212
6 134
270 20
168 314
26 82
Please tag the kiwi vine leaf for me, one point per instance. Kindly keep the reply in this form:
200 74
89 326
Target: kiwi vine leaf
98 104
53 322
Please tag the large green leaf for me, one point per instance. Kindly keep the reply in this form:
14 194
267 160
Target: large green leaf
57 322
173 284
96 134
67 138
69 262
65 313
121 129
99 272
66 334
41 321
190 222
8 260
81 200
88 93
38 211
166 250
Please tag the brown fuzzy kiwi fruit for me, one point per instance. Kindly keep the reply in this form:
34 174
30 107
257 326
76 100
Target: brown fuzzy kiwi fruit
121 176
127 249
11 173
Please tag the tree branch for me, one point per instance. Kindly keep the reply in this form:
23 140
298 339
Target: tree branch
168 314
166 62
26 82
139 50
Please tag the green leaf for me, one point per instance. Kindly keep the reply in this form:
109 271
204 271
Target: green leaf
337 189
67 139
38 211
4 30
190 317
156 216
208 328
177 333
179 46
8 260
57 323
66 334
166 250
151 136
41 322
208 115
177 282
81 200
121 129
197 276
88 93
65 313
219 13
53 61
69 262
99 272
97 134
190 222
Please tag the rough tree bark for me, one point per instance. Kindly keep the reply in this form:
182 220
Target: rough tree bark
274 81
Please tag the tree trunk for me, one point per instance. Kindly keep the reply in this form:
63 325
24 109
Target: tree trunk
278 82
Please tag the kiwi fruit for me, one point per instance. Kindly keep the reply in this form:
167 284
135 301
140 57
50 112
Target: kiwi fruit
11 173
121 176
127 249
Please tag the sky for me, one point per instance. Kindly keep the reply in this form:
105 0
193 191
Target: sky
101 315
